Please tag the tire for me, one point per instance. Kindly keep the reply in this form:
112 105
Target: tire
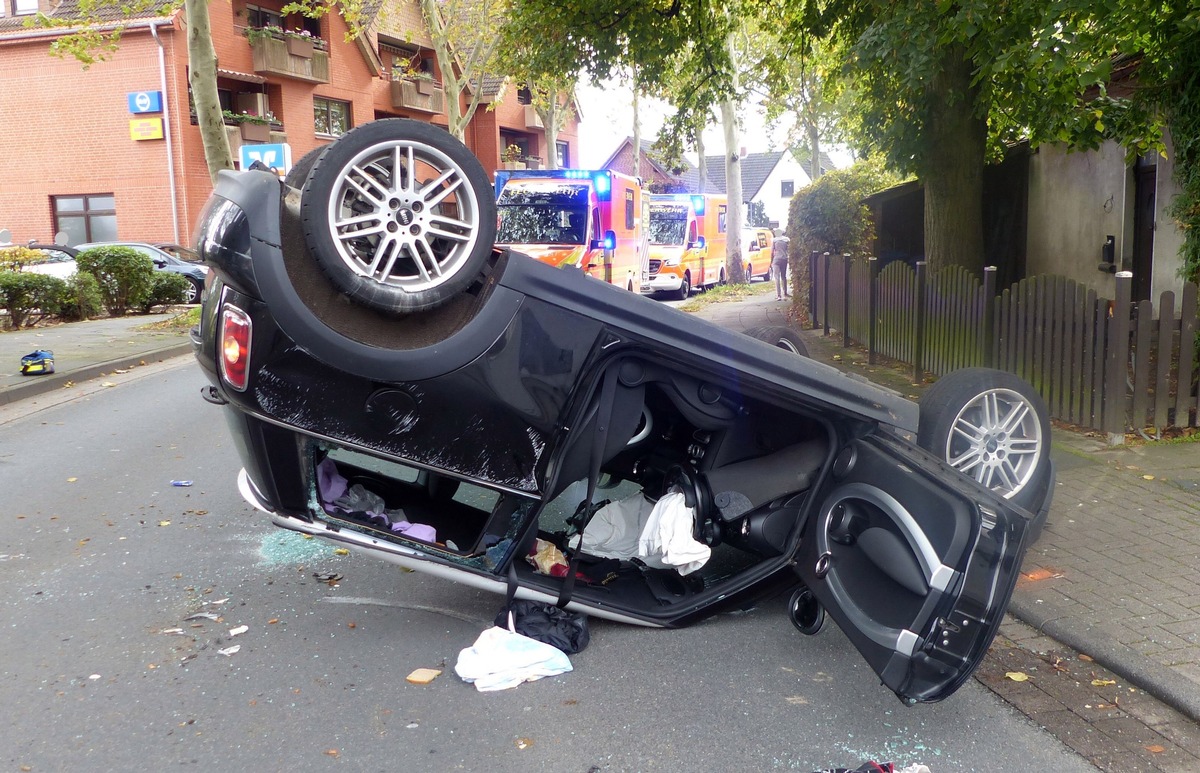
685 288
781 336
299 172
722 280
991 426
417 246
194 292
749 272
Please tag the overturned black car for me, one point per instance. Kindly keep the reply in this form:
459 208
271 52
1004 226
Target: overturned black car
396 385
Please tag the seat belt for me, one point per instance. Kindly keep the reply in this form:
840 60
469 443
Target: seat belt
603 416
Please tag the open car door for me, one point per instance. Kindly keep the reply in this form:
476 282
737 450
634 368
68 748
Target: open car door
914 563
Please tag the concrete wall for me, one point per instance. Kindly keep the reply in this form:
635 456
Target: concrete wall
1077 199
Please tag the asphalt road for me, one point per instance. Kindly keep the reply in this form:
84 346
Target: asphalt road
103 562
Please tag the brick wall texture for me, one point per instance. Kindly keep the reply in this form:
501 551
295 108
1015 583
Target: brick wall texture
64 130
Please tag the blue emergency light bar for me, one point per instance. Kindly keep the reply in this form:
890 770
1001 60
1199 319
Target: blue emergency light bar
601 178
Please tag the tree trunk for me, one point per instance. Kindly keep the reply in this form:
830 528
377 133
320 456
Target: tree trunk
202 77
952 168
551 114
735 271
814 148
701 165
637 130
733 192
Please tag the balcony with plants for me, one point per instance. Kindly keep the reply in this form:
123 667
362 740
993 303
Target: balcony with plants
252 127
417 90
297 54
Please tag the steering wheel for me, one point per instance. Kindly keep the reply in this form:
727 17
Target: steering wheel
695 496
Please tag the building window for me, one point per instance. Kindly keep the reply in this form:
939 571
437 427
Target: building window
18 7
257 16
86 218
787 188
564 155
524 96
331 117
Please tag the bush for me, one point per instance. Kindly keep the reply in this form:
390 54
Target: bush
124 275
829 216
29 297
166 288
81 298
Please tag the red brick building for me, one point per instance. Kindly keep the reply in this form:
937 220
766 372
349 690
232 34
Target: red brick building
112 151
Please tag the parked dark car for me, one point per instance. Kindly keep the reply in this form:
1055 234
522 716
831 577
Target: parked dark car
164 261
186 254
397 386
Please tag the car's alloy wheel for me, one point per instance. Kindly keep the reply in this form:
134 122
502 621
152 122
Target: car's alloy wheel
992 426
399 214
194 290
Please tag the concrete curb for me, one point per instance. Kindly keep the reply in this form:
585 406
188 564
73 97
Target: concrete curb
1179 693
39 385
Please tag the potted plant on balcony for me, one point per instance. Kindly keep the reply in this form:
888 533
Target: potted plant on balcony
513 157
300 43
532 162
253 128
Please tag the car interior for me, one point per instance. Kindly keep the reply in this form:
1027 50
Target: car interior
744 466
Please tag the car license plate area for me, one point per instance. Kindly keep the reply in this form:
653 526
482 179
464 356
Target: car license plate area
411 506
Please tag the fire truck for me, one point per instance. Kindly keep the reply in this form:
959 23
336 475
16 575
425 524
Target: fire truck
592 219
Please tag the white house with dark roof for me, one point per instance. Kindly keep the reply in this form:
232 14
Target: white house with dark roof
770 178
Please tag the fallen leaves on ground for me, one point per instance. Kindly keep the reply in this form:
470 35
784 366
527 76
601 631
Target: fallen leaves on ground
1017 676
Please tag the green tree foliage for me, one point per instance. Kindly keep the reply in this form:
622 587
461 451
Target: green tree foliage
829 216
29 297
125 276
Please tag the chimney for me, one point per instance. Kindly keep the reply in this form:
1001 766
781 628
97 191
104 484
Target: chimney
742 152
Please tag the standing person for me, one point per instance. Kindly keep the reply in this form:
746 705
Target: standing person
779 266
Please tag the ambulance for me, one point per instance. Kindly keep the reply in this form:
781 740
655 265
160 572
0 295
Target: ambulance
592 219
687 242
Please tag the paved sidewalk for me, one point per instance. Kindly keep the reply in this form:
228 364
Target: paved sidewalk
84 350
1116 572
1115 575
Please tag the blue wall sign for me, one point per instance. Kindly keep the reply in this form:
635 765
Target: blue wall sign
145 101
277 156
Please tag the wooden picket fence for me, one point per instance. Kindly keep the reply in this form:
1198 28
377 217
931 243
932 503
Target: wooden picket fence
1105 364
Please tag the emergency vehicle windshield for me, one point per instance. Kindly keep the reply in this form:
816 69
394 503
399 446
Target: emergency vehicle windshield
542 214
668 225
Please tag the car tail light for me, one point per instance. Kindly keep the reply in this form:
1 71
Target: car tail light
235 347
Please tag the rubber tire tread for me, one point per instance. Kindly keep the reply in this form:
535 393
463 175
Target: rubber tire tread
774 334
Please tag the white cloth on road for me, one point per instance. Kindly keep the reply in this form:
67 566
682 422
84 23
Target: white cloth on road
500 659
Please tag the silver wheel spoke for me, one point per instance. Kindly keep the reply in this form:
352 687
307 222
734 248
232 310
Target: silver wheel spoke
442 194
370 217
364 192
453 223
449 234
421 259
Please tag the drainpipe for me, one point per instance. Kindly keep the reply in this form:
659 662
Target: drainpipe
162 79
